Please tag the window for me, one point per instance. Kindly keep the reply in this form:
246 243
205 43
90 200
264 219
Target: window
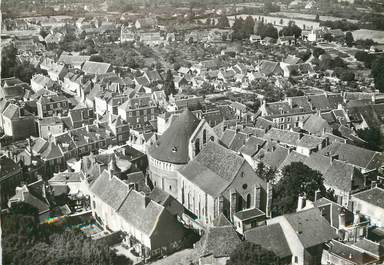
145 112
138 113
245 186
249 201
145 118
197 146
130 114
170 187
212 138
94 204
296 259
204 136
152 111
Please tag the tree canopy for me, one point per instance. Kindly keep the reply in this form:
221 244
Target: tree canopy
247 253
25 241
291 30
297 179
378 73
349 39
223 22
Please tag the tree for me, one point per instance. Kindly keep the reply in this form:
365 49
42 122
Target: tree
317 52
248 26
169 85
96 58
238 29
373 138
377 72
268 30
366 58
8 61
247 253
349 39
293 92
291 30
223 22
297 179
328 37
344 74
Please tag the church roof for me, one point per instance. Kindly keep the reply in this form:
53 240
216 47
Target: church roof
173 144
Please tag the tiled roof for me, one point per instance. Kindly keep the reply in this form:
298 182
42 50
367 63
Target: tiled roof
219 241
252 145
213 169
311 227
270 237
90 67
350 254
354 155
283 136
373 196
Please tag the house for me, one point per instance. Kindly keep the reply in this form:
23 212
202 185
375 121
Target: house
57 71
269 68
363 159
350 226
74 61
180 142
49 126
40 81
151 38
96 68
10 177
146 23
306 233
272 238
67 183
218 243
255 38
149 227
34 195
248 219
340 253
17 122
370 204
127 34
138 110
218 181
47 106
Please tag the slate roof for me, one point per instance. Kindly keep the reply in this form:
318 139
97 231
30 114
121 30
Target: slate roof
248 214
373 196
310 141
272 157
173 144
270 237
7 166
73 59
312 229
213 169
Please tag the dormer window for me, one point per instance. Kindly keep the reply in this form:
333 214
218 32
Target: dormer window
174 149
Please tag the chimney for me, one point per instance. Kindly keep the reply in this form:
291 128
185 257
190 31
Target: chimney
341 220
356 219
332 158
112 166
300 203
373 184
317 195
232 203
